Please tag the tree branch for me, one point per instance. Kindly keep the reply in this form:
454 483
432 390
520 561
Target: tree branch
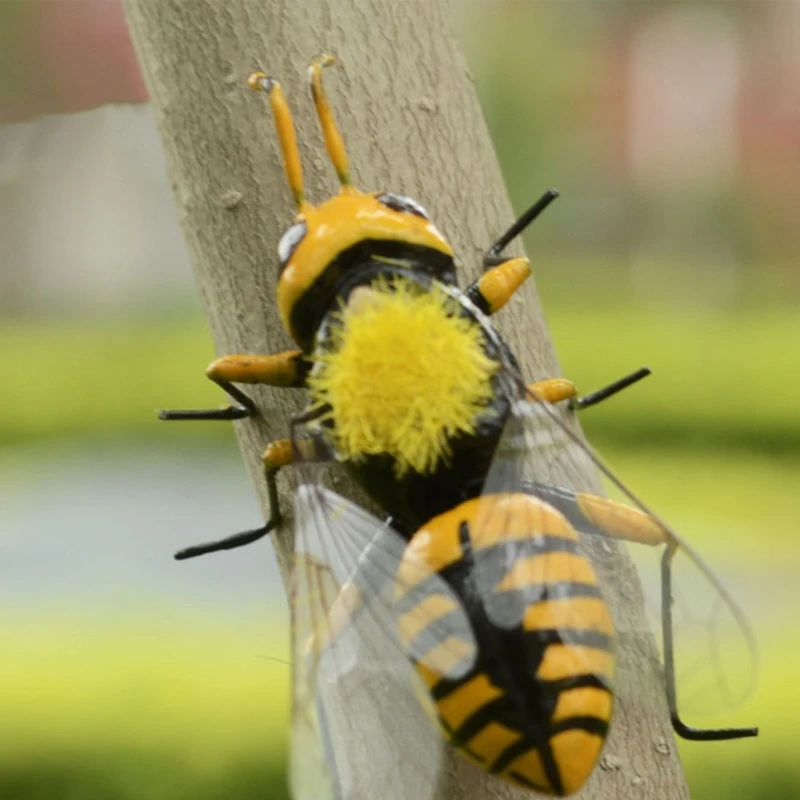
412 123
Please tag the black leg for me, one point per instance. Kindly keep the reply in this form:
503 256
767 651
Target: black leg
608 391
679 726
492 257
228 543
245 537
245 408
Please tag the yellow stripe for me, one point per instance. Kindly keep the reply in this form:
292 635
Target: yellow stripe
529 765
572 613
566 661
430 676
497 519
430 550
493 519
447 655
548 568
575 753
462 703
340 612
433 607
491 741
583 701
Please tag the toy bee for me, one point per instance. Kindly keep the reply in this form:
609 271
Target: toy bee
470 613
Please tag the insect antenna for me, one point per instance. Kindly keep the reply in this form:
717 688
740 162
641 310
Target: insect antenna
259 82
333 139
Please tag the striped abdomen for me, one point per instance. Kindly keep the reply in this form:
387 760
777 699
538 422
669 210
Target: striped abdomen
519 657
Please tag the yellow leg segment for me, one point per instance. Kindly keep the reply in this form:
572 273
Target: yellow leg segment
288 369
620 521
553 390
497 285
279 369
592 514
278 454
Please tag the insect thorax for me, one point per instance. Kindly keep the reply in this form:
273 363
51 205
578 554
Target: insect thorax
409 383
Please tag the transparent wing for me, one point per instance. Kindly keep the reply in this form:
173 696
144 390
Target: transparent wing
708 642
713 651
362 726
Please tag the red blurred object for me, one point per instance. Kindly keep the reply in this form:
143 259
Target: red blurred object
72 56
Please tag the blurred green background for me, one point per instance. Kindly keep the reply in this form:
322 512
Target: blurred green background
672 130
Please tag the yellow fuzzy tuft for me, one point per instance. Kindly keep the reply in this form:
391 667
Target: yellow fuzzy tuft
405 374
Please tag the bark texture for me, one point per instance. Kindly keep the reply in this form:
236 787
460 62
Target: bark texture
408 110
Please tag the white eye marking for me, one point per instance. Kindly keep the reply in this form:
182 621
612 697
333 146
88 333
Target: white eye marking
289 241
398 202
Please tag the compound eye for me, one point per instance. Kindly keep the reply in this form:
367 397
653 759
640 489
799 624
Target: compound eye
289 241
399 203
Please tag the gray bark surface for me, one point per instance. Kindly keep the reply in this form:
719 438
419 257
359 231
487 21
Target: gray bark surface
408 110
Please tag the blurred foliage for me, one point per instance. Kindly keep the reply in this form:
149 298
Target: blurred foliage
138 709
142 713
555 79
724 379
101 377
724 382
164 778
128 775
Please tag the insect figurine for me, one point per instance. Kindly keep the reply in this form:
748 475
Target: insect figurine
469 612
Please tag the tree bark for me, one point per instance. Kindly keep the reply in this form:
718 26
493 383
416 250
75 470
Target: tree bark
405 101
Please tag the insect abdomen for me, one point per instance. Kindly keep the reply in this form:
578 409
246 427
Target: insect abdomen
520 685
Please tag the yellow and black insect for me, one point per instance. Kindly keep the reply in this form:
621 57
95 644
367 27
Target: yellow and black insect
471 607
